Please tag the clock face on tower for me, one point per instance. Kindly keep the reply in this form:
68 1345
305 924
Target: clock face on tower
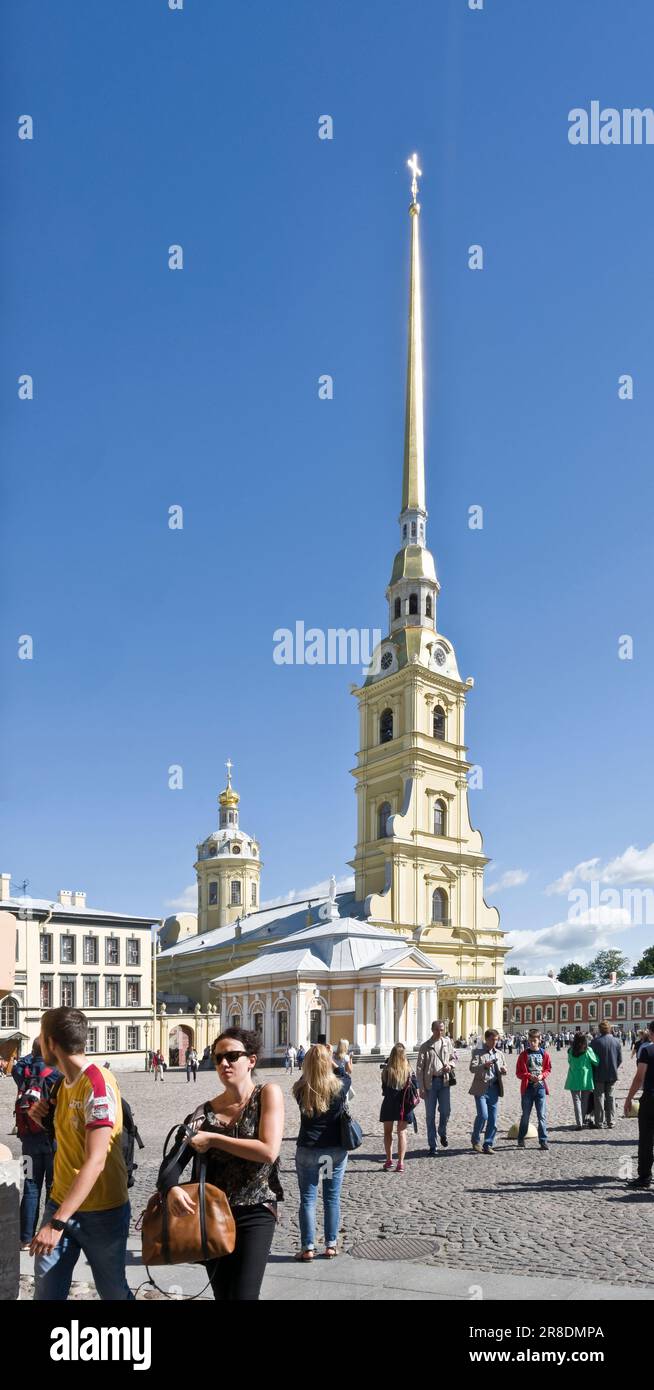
440 656
386 660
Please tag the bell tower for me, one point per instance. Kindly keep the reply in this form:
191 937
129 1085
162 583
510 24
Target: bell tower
228 867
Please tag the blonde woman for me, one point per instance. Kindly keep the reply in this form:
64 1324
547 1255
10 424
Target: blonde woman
342 1060
320 1094
400 1092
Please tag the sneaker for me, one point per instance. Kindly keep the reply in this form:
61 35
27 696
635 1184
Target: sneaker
387 1166
639 1184
477 1148
488 1149
521 1144
433 1153
444 1143
399 1167
544 1144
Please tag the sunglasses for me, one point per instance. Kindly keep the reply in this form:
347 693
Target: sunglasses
230 1057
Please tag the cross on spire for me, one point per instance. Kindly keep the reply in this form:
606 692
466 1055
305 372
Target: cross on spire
417 174
229 765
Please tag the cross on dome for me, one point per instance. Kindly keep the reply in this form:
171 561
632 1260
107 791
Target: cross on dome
417 174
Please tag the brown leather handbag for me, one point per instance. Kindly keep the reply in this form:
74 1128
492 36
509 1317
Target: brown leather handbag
207 1233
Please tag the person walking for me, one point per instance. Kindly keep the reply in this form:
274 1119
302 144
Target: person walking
301 1054
321 1096
400 1097
88 1209
158 1066
488 1069
581 1061
644 1081
342 1059
191 1064
290 1057
240 1131
608 1050
435 1073
34 1080
532 1069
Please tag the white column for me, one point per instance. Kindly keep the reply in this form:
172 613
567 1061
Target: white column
380 1025
359 1025
423 1010
293 1020
267 1025
246 1010
390 1017
432 999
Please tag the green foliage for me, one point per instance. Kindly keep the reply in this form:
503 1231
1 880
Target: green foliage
574 974
645 965
605 964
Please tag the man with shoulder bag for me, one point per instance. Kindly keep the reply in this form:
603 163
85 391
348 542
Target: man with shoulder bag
436 1076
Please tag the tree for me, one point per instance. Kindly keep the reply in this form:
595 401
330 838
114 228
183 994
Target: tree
512 970
645 965
573 974
607 963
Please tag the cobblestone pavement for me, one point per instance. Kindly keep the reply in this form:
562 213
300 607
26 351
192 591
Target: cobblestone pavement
564 1213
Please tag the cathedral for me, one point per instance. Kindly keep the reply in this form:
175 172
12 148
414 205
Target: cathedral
415 939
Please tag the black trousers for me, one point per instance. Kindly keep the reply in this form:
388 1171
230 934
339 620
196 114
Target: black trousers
645 1136
238 1277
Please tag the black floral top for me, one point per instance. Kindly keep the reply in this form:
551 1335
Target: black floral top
244 1182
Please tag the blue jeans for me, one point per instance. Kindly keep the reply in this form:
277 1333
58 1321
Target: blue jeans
534 1095
38 1159
486 1115
437 1095
311 1165
102 1236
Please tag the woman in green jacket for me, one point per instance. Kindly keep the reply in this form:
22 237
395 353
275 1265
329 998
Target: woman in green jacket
581 1060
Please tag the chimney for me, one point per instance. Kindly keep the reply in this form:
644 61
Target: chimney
614 977
5 887
79 899
64 896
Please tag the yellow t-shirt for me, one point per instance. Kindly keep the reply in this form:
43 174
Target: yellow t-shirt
91 1102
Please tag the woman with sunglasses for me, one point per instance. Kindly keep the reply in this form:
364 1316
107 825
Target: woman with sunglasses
240 1131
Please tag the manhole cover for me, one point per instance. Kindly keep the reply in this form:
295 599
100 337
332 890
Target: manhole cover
395 1248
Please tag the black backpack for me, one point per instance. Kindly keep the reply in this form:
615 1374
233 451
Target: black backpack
128 1138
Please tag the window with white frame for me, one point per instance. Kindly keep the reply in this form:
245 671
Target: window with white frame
90 950
577 1011
621 1009
133 1037
8 1014
90 993
440 818
112 951
235 892
112 1039
253 895
282 1028
45 948
133 952
608 1008
539 1013
528 1014
213 893
592 1009
637 1008
564 1013
45 992
549 1013
67 950
92 1040
133 994
112 992
67 991
649 1007
517 1015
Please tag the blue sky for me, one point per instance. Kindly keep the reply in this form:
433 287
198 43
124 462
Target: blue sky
153 647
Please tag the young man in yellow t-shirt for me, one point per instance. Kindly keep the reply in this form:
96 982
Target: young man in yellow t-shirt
88 1208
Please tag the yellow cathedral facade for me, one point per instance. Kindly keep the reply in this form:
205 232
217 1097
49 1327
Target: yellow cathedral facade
415 940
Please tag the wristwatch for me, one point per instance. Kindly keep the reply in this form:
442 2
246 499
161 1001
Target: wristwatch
58 1225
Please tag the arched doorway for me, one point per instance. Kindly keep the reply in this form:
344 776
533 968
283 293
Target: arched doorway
180 1039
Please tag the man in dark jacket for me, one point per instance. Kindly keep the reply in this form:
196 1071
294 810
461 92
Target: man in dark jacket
33 1077
609 1051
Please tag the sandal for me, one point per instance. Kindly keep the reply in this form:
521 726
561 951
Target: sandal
305 1256
331 1252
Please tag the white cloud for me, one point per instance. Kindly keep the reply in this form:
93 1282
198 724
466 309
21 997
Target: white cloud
511 879
188 902
590 932
634 866
316 890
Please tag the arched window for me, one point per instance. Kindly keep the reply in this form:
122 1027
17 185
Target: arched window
649 1007
564 1013
592 1010
549 1014
386 726
608 1008
383 817
439 723
413 603
9 1014
282 1028
439 905
528 1014
440 818
397 610
637 1008
622 1008
539 1013
404 532
428 612
517 1015
413 528
577 1012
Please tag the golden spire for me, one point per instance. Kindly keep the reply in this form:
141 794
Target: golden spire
229 797
413 482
